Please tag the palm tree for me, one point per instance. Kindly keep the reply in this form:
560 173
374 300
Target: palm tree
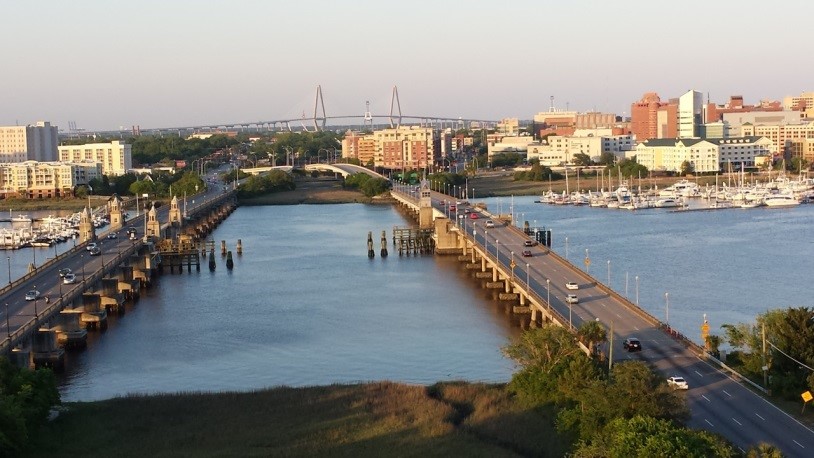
592 333
764 450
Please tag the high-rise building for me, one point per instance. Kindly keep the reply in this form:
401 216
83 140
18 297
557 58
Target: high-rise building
804 103
781 135
38 142
401 148
115 156
652 118
690 114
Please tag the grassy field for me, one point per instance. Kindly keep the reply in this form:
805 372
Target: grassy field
375 419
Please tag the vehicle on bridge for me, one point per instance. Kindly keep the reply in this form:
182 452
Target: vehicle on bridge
529 243
32 295
571 285
632 344
526 253
473 216
91 246
95 251
572 299
69 279
677 383
112 235
490 223
64 271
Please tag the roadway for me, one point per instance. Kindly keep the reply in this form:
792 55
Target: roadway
48 282
717 403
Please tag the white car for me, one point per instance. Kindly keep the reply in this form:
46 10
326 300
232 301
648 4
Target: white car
677 383
91 246
572 285
32 295
69 279
490 223
572 299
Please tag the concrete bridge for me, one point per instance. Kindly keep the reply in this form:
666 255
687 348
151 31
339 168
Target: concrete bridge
337 168
38 330
535 286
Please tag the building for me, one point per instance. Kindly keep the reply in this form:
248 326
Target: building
781 135
705 155
508 126
735 106
651 118
690 114
735 120
803 103
406 148
802 147
359 146
560 150
509 144
38 142
115 156
39 180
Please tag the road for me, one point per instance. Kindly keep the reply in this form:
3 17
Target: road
717 403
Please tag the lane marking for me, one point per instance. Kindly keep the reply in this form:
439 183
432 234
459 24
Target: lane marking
742 450
801 445
736 421
699 374
619 316
709 422
727 393
705 397
636 328
758 415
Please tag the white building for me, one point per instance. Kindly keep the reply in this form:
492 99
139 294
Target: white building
705 155
690 114
37 143
560 150
510 144
115 156
38 180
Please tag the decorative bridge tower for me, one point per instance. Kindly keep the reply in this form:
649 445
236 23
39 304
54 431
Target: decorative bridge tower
87 233
114 205
175 213
153 226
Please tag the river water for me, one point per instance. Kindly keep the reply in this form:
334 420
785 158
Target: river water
305 306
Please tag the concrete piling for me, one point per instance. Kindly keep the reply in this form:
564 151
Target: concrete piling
384 244
212 260
230 264
370 252
223 247
239 247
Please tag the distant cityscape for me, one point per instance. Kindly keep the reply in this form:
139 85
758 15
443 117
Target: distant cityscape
662 136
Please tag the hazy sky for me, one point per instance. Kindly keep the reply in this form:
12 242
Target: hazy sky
106 63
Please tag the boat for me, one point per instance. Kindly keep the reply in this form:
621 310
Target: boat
751 203
780 200
668 202
21 219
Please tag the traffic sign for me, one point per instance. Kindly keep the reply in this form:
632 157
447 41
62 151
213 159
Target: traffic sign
587 262
513 264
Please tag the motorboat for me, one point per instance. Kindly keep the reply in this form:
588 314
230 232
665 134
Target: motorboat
21 219
668 202
780 200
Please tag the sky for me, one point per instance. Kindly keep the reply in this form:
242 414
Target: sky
109 64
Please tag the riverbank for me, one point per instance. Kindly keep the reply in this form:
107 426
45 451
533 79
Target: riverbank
311 191
373 419
71 203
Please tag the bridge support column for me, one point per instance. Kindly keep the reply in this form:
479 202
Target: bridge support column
494 273
70 333
94 315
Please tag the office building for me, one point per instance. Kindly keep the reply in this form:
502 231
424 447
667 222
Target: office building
37 142
115 156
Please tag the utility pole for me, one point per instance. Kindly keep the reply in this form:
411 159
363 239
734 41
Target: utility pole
610 349
765 367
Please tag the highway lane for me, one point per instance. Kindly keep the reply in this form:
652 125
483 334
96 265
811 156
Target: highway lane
47 280
717 403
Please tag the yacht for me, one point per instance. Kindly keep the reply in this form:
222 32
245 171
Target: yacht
21 219
668 202
780 200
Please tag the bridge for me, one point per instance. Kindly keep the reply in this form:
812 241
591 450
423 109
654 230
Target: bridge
719 399
38 328
336 168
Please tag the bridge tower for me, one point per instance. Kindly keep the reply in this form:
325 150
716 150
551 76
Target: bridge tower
368 116
394 103
153 227
87 233
425 206
175 212
114 205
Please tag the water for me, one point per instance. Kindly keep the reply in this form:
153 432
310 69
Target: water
305 306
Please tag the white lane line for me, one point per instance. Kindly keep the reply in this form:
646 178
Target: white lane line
758 415
727 393
619 316
709 422
736 421
636 328
801 445
705 397
742 450
699 374
603 305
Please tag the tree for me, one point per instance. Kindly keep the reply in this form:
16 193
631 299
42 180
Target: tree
687 168
712 343
26 397
607 158
581 159
764 450
592 333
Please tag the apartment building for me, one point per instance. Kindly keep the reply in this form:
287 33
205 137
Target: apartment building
706 155
40 180
406 147
781 135
36 142
115 157
803 103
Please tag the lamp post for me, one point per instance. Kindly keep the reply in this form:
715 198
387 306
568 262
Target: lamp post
512 266
609 273
667 308
486 241
548 293
637 290
587 262
566 248
497 251
8 258
8 327
36 299
528 287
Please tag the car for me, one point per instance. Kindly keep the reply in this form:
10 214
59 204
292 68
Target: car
572 299
571 285
677 383
529 243
526 253
112 235
32 295
441 203
64 271
490 223
473 216
69 279
91 246
133 236
452 207
95 251
632 344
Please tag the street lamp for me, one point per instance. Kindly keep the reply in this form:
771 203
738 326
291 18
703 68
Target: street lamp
587 262
497 250
566 248
528 287
36 299
609 273
486 241
512 266
8 258
637 290
548 293
8 327
667 309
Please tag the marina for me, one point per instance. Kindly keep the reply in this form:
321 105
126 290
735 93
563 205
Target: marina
23 231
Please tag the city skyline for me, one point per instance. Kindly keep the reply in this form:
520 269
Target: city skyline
157 64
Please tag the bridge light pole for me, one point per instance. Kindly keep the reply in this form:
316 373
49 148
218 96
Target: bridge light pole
512 266
667 309
609 273
497 251
486 241
548 293
528 285
637 290
36 299
8 258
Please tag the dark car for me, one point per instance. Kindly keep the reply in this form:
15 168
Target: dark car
95 251
632 344
526 254
64 271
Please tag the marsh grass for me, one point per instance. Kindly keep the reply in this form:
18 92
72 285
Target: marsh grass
374 419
